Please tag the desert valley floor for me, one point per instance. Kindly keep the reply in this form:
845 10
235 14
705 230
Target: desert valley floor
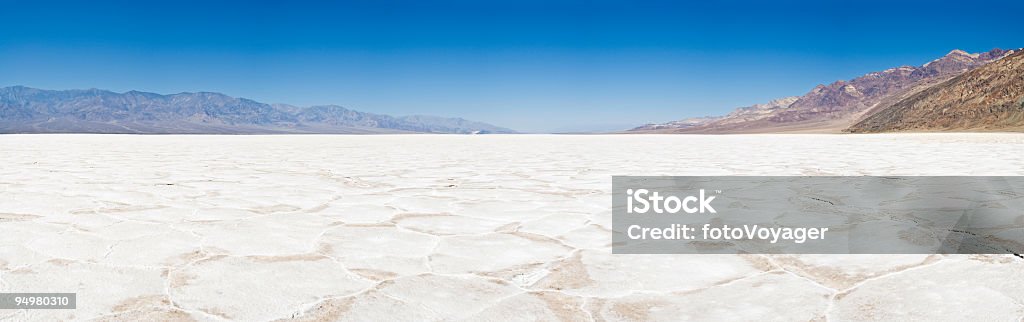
445 227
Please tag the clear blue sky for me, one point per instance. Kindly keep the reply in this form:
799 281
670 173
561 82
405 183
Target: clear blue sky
528 65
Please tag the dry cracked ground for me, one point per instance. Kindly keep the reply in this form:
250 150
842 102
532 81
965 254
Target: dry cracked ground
421 227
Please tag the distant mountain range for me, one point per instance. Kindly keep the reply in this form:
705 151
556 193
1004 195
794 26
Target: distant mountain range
959 91
30 110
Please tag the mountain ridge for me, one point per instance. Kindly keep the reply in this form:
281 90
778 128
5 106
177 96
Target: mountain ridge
31 110
988 98
840 104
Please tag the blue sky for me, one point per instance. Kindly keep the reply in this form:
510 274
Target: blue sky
530 65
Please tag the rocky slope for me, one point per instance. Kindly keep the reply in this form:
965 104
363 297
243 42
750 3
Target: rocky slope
30 110
988 98
838 105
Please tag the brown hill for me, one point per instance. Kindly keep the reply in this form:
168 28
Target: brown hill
834 107
989 98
